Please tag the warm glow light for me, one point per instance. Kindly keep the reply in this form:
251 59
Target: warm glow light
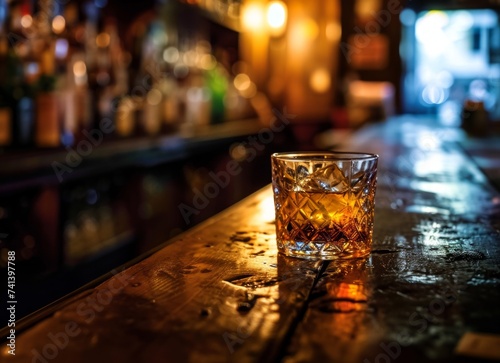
189 58
309 29
102 40
242 82
171 55
26 21
238 152
249 92
366 8
203 46
333 31
253 17
267 209
302 33
154 97
80 72
264 213
58 24
79 68
320 80
276 14
207 61
231 101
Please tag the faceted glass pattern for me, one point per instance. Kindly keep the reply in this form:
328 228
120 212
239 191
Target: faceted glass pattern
324 203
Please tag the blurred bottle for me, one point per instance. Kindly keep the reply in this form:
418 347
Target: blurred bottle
22 72
47 99
124 116
170 112
5 121
96 77
217 82
475 116
5 97
48 128
475 120
143 82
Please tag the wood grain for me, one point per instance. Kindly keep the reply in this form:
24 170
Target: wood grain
219 293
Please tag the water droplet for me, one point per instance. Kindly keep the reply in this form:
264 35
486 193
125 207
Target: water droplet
244 307
260 253
205 312
237 238
188 270
136 284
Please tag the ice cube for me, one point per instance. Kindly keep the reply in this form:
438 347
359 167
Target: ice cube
304 180
330 178
302 173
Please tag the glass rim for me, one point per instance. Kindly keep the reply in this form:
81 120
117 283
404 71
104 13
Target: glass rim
305 156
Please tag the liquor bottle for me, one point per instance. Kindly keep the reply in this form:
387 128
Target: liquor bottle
123 107
48 128
90 52
124 116
142 52
64 46
106 64
78 62
170 104
18 74
5 97
47 118
23 104
5 120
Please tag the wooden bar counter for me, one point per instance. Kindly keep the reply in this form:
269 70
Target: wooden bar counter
429 292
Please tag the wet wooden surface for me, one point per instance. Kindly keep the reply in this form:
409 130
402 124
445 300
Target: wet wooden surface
222 293
434 272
